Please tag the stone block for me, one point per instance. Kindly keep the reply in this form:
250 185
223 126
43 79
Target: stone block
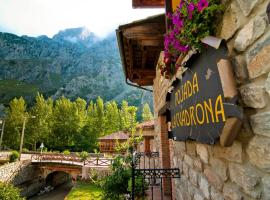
191 188
215 195
185 169
245 176
179 149
204 186
259 152
193 177
219 167
260 123
257 47
202 151
247 5
213 178
266 187
233 153
232 192
267 84
253 95
198 196
198 165
240 68
182 190
260 64
251 31
188 160
191 148
231 21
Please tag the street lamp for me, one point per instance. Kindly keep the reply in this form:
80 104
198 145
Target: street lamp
41 147
22 136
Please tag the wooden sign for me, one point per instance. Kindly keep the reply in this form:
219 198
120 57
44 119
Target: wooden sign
203 103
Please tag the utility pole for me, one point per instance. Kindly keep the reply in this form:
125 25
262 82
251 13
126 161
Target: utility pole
22 136
2 133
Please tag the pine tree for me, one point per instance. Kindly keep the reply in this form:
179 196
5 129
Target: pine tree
146 114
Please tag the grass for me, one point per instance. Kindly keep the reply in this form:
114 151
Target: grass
85 191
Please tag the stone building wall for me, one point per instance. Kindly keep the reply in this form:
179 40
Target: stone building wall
242 171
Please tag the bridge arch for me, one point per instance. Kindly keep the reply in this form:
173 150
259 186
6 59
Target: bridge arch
56 178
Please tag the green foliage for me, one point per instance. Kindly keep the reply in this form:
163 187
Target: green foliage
83 155
115 186
14 156
119 182
39 128
25 150
16 115
66 152
192 21
9 192
140 186
65 124
128 116
147 114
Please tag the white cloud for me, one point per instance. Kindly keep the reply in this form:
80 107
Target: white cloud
47 17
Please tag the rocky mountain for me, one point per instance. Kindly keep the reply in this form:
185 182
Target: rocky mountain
74 63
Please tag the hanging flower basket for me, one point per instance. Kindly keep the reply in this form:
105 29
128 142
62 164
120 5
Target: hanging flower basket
192 21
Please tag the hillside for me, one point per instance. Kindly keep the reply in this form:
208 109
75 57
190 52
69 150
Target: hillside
74 63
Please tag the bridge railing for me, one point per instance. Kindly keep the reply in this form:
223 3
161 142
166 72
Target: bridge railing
71 159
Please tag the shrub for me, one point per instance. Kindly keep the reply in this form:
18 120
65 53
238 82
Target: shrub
83 155
25 150
66 152
9 192
14 156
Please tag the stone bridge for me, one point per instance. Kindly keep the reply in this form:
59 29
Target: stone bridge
69 164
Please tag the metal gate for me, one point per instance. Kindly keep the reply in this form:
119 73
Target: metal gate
145 166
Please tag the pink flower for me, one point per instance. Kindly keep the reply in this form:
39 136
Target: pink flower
177 21
190 9
202 4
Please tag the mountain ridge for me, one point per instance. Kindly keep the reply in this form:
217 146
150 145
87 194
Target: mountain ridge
85 66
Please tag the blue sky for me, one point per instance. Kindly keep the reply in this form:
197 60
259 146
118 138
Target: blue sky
47 17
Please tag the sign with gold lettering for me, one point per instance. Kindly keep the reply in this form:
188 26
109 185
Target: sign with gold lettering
203 100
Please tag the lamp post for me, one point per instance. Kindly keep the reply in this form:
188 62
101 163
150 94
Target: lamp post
2 132
41 147
22 136
133 165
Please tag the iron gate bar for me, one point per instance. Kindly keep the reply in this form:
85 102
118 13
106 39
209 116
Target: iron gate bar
158 173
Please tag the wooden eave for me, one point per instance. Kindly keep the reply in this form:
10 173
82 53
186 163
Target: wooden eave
148 3
140 44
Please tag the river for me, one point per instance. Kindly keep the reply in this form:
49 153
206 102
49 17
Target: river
58 194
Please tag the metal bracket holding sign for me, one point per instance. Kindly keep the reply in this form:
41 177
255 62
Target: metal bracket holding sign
203 103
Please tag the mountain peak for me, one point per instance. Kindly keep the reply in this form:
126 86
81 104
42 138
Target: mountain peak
81 35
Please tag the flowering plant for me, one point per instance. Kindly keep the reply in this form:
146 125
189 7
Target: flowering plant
191 21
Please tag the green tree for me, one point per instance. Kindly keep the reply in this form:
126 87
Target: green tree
89 133
67 123
39 128
128 116
16 114
100 120
146 114
112 118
